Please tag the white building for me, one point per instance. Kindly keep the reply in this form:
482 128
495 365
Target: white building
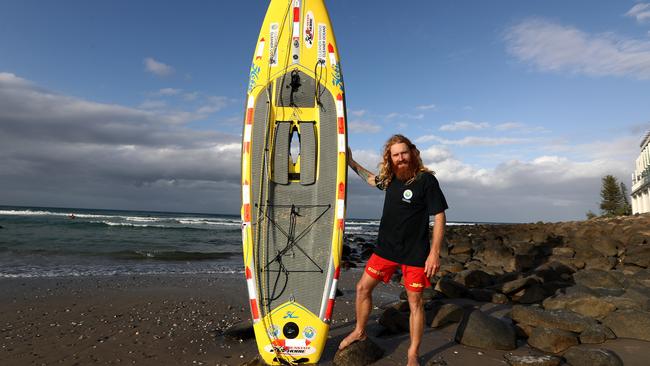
641 179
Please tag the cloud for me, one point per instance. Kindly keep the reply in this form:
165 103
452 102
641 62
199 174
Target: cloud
472 140
358 113
168 92
363 127
157 68
554 47
641 12
65 151
404 115
509 126
426 107
547 186
464 126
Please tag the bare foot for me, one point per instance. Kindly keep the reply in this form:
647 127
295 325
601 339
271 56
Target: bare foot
351 338
413 360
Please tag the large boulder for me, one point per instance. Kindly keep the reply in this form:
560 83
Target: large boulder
450 288
394 321
485 295
359 353
581 303
474 278
638 256
597 279
552 340
629 324
532 360
513 286
445 314
582 356
535 293
596 334
478 329
557 319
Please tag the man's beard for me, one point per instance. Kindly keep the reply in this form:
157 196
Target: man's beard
404 172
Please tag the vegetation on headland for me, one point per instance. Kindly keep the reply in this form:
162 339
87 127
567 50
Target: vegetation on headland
614 201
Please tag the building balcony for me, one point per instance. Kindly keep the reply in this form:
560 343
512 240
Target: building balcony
640 184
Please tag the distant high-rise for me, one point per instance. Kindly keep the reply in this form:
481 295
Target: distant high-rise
641 179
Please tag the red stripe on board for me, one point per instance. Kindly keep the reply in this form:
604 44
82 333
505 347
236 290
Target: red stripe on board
296 14
341 123
330 308
330 48
256 314
339 96
249 116
341 224
247 212
337 272
249 275
247 147
341 191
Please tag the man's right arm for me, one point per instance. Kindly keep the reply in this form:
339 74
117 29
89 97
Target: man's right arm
364 173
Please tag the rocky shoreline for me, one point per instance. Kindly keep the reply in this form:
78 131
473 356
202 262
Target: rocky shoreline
565 284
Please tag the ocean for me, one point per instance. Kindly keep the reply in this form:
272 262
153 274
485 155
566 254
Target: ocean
51 242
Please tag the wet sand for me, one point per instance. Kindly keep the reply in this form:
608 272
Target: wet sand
179 320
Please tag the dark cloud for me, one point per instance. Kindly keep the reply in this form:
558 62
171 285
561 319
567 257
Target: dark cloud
64 151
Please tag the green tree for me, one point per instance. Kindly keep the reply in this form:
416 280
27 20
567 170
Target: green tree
611 196
625 207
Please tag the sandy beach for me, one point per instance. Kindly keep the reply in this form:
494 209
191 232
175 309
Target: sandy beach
179 320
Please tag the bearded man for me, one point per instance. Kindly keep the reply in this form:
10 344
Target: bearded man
412 195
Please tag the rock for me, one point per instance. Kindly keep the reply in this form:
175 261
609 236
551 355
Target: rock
593 307
552 340
581 303
445 314
629 324
460 258
359 353
240 331
554 271
596 334
451 267
599 262
461 247
607 247
639 256
564 251
474 278
513 286
496 254
394 321
639 295
595 279
532 360
582 356
450 288
485 295
478 329
557 319
530 295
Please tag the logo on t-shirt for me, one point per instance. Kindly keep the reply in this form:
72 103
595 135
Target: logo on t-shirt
407 195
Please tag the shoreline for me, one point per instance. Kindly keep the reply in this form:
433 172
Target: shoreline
177 319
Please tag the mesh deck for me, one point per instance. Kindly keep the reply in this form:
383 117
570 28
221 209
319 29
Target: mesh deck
314 204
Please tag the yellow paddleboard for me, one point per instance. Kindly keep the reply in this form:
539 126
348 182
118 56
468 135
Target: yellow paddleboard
293 181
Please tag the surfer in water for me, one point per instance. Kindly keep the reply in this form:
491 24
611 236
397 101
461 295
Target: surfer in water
412 195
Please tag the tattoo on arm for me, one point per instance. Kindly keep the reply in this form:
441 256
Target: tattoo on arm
363 173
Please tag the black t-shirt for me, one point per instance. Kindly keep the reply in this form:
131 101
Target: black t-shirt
404 227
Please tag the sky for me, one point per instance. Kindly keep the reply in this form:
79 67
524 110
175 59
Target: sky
520 107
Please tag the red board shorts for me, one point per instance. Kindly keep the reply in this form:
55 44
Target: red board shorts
382 269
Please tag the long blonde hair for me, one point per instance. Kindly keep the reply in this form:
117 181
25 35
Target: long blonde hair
386 167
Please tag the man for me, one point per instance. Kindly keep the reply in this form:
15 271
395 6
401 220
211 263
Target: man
412 195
